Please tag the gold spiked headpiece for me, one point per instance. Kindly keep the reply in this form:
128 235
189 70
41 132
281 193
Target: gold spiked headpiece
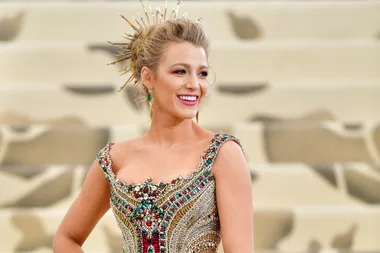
151 18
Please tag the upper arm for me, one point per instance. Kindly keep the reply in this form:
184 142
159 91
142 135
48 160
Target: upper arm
234 198
90 205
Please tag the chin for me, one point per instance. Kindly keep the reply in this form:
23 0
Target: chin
186 115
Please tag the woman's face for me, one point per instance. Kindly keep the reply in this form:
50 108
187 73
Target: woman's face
180 84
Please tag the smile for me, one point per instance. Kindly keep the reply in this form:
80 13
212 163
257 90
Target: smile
188 99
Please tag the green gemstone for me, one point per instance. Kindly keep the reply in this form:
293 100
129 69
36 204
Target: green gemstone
149 97
161 215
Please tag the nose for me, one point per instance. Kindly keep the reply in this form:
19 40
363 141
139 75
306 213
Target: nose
193 82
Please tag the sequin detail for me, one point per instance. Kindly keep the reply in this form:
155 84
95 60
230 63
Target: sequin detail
180 216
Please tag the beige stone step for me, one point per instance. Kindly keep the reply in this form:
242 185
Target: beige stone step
273 185
102 105
286 230
230 20
69 141
284 140
279 63
58 143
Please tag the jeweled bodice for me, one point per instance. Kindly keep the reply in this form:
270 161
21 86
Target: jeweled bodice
177 217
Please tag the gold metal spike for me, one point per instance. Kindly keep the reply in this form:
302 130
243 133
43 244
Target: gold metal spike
176 11
172 15
125 71
130 23
126 58
146 13
166 9
114 43
137 22
158 15
152 13
141 19
129 79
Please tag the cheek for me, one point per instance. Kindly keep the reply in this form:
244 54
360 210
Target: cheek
165 92
204 91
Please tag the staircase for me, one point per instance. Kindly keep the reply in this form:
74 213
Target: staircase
297 81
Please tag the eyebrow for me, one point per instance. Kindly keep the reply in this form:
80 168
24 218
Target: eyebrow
188 66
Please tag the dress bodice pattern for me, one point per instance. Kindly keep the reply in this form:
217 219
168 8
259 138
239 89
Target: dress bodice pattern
180 216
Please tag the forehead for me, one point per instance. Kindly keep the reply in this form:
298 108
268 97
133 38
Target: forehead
184 53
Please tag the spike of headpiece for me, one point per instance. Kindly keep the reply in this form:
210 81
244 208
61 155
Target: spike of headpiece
155 17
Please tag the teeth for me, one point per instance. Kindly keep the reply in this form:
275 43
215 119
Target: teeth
188 98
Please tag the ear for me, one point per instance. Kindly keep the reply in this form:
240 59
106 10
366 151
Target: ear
146 77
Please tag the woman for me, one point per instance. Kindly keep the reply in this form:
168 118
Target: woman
156 209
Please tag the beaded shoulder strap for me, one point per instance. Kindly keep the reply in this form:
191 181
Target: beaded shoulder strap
216 143
105 162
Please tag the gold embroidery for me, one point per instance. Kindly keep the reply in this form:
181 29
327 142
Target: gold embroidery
177 217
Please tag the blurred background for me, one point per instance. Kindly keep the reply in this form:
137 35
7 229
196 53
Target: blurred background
297 81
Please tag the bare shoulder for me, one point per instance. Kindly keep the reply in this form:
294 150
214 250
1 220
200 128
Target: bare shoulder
120 151
231 149
230 159
125 146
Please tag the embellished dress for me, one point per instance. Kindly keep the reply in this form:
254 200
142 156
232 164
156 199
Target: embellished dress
180 216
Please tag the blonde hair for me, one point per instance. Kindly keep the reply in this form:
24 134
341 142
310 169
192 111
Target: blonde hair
147 45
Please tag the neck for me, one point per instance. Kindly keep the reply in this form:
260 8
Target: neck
167 131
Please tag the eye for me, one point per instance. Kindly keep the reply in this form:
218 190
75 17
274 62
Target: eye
203 74
180 72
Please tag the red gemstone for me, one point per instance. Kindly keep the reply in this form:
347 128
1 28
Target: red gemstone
165 206
201 177
148 223
181 201
154 194
145 190
201 185
184 192
204 157
172 198
173 181
150 212
171 210
156 216
139 218
136 195
167 218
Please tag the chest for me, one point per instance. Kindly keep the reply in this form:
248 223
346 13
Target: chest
158 164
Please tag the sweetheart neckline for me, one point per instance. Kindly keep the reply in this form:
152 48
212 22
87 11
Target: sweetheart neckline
177 179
